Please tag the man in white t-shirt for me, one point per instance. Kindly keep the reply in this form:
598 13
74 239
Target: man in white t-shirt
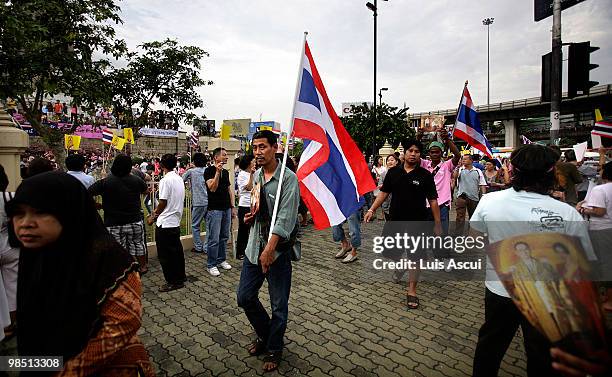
168 215
597 206
523 209
471 185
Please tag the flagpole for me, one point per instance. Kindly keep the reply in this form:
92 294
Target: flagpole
286 151
458 108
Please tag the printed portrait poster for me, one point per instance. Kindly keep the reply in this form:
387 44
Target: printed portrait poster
548 277
431 123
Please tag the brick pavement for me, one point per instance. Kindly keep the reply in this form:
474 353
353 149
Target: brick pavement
343 320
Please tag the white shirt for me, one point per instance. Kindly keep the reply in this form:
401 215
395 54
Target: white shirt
244 196
601 197
171 189
507 213
86 180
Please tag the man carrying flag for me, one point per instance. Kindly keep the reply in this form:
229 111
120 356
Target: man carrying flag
467 125
268 257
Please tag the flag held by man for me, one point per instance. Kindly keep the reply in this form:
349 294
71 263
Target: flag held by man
332 173
467 125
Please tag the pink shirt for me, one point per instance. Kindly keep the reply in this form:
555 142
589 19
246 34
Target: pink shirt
442 178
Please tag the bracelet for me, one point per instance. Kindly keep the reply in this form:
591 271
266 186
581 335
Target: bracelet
370 210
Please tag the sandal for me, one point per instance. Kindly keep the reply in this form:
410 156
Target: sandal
274 358
412 302
257 347
342 253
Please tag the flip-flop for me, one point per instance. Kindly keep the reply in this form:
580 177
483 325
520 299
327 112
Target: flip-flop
410 299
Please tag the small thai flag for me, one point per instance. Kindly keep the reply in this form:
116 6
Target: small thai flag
193 139
603 129
107 136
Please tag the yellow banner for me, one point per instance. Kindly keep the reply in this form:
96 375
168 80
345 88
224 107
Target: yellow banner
265 128
72 142
128 135
118 142
226 129
238 127
598 117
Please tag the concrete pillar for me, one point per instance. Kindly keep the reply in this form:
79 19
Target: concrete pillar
511 127
13 142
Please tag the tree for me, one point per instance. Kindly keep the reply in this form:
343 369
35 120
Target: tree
392 125
162 73
47 47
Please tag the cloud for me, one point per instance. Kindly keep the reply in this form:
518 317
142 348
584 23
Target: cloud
426 49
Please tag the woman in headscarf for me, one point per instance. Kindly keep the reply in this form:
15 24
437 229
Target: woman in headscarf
78 290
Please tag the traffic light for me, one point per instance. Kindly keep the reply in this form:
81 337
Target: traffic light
579 67
546 76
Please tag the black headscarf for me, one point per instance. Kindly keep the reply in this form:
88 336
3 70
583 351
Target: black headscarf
62 286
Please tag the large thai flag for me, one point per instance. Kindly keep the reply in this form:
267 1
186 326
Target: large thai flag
333 174
467 126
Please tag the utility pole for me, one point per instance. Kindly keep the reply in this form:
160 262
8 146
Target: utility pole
556 73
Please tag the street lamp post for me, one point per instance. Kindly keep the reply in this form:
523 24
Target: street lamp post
488 22
380 94
374 9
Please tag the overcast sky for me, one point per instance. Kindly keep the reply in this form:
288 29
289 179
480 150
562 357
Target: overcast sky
426 48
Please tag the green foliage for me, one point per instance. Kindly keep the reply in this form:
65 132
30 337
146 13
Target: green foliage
163 73
391 125
51 46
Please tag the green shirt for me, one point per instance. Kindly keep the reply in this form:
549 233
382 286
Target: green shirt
286 217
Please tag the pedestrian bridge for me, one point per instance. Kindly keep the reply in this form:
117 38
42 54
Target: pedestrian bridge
576 112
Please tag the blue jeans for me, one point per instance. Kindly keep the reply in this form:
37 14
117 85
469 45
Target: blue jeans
444 212
217 232
354 231
270 330
197 215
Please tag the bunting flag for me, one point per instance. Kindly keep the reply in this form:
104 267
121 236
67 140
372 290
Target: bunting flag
72 142
128 135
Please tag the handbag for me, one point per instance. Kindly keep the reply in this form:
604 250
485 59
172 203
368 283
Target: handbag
290 244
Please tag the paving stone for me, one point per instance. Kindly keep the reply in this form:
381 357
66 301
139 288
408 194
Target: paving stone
343 321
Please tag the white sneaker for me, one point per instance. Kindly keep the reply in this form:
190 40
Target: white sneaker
214 271
224 265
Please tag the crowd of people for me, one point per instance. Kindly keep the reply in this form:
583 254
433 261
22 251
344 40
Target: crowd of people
63 264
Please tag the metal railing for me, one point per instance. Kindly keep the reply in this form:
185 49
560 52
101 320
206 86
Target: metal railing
152 198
